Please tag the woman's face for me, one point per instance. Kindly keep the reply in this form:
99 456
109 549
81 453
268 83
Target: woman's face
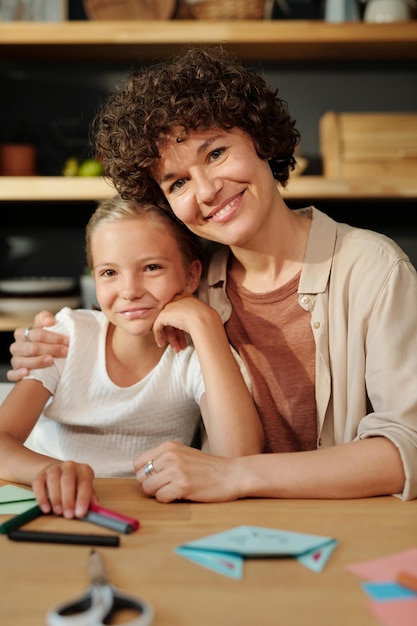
138 268
217 185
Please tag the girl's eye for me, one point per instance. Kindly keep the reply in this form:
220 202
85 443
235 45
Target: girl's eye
108 273
153 267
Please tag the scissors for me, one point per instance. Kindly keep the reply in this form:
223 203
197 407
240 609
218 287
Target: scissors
101 603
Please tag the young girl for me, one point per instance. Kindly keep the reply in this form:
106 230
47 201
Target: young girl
121 389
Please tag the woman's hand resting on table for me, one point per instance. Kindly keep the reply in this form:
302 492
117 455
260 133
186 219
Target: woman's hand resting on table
39 350
185 473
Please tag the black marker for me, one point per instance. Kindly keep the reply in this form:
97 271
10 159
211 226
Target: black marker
71 538
19 520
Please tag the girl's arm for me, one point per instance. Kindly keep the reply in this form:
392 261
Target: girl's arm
229 414
63 487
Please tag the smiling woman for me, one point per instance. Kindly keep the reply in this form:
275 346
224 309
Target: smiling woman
211 179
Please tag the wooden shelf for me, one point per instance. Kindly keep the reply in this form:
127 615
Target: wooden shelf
63 189
54 188
9 322
267 40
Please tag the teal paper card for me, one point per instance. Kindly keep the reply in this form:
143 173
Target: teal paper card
15 500
227 564
225 552
256 542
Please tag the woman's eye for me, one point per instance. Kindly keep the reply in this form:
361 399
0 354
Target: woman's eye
216 154
178 184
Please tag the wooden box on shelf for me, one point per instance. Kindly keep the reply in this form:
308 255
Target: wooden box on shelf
369 145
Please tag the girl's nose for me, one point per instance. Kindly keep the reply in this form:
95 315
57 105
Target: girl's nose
131 289
128 294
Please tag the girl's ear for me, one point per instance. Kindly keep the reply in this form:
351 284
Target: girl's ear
193 276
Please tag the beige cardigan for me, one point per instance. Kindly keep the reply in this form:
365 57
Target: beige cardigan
361 290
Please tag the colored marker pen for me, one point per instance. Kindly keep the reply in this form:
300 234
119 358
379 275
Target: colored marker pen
108 522
97 508
407 580
19 520
70 538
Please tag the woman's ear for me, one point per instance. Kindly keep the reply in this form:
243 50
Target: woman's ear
193 276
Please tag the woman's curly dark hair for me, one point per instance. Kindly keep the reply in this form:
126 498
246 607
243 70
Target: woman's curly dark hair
197 89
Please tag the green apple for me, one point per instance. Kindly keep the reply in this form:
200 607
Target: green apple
71 167
90 167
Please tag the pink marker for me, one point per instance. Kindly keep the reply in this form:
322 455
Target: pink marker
97 508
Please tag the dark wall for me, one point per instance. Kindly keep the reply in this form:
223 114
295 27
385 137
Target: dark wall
52 105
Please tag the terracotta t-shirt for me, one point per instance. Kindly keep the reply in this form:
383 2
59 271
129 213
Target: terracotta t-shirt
273 336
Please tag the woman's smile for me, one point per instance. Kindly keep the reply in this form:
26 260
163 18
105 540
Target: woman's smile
227 210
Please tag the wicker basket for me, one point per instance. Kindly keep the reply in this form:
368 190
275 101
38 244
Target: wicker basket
226 9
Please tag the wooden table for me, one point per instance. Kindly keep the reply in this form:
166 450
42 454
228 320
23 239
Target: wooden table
34 577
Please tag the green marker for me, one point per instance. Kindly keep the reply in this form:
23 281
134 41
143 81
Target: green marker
19 520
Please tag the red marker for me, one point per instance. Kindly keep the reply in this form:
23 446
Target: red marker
101 510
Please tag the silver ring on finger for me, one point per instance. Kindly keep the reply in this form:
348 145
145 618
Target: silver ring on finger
149 469
26 335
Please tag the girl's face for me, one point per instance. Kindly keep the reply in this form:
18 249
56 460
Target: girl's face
138 268
217 185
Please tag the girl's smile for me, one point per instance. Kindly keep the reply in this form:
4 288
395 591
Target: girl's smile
138 269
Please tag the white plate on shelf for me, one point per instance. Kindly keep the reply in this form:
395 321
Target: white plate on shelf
32 306
27 285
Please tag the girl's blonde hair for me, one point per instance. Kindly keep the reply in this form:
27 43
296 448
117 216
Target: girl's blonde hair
117 208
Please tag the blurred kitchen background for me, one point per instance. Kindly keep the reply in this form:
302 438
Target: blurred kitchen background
51 105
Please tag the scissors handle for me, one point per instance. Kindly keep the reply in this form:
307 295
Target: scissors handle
125 602
101 603
98 606
86 610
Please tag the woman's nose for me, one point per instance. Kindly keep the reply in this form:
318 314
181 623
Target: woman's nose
207 187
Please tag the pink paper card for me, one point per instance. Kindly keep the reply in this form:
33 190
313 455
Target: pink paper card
387 567
395 613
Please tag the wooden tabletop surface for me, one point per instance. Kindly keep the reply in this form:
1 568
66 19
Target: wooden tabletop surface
34 576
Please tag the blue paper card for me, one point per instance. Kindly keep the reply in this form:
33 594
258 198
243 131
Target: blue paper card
221 562
317 558
224 552
387 590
